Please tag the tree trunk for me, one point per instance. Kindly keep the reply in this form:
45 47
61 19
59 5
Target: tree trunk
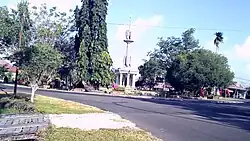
15 86
34 87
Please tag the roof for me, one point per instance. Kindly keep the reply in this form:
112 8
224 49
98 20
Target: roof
3 62
7 65
237 86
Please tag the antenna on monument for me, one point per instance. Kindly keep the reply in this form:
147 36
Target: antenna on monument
129 25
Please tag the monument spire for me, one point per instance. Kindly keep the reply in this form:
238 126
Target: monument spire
128 40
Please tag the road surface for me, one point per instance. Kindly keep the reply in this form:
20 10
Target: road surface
172 120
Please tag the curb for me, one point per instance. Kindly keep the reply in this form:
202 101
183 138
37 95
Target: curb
230 102
212 101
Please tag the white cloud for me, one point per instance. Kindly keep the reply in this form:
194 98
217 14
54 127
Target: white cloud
139 27
210 45
62 5
243 51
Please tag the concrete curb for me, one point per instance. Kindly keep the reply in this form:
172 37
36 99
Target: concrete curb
212 101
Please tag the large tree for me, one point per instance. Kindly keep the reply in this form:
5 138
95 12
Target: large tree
171 47
92 35
167 51
199 68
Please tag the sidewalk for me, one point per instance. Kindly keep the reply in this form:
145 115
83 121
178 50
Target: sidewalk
81 92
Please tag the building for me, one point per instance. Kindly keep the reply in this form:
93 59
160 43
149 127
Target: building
237 91
9 67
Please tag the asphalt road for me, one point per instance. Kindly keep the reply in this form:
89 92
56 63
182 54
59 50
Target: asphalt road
172 120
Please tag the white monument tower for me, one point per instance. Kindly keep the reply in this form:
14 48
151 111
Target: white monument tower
125 77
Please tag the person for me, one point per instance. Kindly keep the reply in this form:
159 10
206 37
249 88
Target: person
6 80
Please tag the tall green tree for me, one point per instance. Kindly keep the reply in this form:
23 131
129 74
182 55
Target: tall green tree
218 39
92 32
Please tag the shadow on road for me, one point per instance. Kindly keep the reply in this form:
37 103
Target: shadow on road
231 115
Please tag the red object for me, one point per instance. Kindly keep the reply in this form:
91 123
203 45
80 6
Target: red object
115 86
202 92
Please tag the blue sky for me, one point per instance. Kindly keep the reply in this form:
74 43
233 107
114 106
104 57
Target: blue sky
228 16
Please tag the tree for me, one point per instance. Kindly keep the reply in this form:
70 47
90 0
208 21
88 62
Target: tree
149 71
92 33
8 32
2 72
170 48
218 39
161 59
54 28
199 68
39 61
19 28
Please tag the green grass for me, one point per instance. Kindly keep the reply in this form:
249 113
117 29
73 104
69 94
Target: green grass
67 134
10 111
49 105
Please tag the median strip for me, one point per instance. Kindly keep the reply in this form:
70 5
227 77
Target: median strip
74 121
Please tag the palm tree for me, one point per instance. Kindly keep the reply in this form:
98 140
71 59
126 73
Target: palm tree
218 39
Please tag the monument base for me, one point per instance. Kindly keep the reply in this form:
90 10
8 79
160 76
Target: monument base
125 77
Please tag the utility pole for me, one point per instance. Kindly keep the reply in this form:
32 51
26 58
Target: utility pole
20 45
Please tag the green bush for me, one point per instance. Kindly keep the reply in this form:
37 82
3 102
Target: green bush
21 105
18 104
4 101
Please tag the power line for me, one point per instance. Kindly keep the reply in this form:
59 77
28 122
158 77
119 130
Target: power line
242 79
177 27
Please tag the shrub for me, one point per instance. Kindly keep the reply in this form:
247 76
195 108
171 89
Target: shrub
18 104
21 105
4 101
120 89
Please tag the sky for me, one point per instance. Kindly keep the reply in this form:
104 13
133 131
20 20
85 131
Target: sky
152 19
